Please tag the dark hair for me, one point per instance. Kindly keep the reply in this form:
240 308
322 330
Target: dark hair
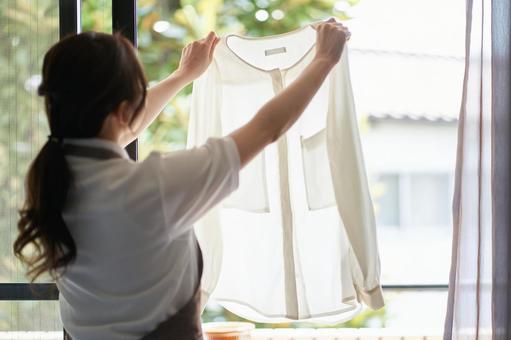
84 78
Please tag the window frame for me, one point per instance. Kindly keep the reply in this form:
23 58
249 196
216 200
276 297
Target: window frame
124 19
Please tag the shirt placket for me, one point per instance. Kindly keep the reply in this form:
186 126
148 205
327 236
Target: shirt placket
286 213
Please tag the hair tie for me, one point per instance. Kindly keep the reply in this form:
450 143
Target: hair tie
55 139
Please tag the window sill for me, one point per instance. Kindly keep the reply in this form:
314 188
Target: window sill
287 334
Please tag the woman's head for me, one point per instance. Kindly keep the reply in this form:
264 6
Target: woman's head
86 80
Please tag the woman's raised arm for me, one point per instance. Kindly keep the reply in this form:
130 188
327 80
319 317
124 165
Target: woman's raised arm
195 59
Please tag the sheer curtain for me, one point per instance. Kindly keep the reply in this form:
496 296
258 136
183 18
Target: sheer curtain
479 296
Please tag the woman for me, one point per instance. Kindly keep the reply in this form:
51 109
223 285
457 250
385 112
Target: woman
117 235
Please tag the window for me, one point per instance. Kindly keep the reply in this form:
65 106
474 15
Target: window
27 30
407 78
386 200
430 196
407 81
413 200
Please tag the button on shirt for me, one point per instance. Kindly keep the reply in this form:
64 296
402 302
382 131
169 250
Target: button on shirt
136 261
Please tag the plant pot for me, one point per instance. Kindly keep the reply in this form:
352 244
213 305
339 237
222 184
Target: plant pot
227 330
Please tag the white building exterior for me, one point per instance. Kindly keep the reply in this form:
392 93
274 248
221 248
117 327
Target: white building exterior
407 65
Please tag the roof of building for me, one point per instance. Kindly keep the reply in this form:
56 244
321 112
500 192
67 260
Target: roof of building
401 85
407 59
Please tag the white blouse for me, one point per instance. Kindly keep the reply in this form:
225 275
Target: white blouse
297 239
136 261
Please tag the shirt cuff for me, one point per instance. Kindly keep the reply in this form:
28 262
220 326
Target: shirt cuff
373 298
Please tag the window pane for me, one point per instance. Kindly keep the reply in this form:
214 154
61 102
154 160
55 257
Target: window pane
386 200
407 87
421 310
430 197
28 29
29 316
97 15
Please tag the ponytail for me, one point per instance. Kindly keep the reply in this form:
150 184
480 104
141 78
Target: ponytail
41 223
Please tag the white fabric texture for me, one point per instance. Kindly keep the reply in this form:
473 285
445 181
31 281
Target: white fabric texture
136 261
297 239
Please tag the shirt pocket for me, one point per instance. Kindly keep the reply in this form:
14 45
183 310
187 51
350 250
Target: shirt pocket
316 169
252 192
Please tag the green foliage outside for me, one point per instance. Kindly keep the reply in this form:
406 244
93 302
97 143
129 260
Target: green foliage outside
189 20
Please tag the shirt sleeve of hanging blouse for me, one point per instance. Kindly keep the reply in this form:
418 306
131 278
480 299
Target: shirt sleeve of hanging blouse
205 121
351 188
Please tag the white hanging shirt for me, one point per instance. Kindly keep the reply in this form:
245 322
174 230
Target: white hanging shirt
136 261
297 239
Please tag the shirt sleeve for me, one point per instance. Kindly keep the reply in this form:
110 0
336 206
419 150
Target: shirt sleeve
351 189
193 181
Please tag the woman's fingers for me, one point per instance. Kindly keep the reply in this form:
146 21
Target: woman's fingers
211 40
213 46
196 56
331 20
208 42
330 40
210 37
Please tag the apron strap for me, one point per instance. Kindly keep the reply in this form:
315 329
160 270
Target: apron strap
89 151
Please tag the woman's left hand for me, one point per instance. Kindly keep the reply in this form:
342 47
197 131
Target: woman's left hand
197 56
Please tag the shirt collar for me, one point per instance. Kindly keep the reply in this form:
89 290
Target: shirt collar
98 143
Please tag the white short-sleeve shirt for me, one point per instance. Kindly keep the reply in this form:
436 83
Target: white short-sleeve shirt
136 261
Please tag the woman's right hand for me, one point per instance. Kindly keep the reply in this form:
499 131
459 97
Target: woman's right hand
196 57
330 40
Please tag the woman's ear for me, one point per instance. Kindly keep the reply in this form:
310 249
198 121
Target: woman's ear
122 114
118 124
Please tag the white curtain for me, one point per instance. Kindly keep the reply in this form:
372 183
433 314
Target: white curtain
478 306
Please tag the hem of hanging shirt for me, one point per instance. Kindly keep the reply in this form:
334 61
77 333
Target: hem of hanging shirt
247 311
373 298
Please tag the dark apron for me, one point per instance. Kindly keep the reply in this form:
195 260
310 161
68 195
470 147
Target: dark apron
186 323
